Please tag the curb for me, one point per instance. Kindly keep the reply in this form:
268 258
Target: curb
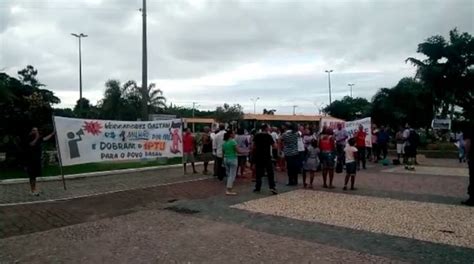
93 174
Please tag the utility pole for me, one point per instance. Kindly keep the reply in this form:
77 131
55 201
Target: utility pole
329 82
194 105
144 66
79 36
350 85
294 109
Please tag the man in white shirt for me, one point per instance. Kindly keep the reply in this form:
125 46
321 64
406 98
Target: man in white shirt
217 143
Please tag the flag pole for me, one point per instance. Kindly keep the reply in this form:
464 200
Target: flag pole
59 155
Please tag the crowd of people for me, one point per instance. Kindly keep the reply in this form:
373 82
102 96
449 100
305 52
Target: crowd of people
296 149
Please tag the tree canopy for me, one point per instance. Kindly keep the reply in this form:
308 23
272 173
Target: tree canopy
448 72
407 102
23 104
349 108
269 111
228 113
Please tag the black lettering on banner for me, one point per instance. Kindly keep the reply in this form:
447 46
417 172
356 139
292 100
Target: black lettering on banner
122 155
117 146
134 155
108 156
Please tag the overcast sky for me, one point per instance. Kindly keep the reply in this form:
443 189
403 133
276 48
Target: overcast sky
211 52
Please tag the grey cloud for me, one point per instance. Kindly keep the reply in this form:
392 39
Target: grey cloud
190 40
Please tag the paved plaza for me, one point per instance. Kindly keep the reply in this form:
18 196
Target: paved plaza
161 216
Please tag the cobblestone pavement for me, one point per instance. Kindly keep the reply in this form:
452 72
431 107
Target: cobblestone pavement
132 226
164 237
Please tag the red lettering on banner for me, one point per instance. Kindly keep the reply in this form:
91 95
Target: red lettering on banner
155 145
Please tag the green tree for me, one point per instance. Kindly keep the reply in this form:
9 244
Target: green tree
228 114
405 103
154 98
448 72
182 112
28 76
22 106
112 104
84 109
64 112
349 108
269 112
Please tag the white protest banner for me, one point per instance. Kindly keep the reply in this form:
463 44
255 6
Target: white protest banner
84 140
351 127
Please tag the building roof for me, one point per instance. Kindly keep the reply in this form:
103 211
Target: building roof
289 118
199 120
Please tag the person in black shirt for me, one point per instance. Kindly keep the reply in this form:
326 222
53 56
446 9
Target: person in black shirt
468 137
262 149
33 166
206 148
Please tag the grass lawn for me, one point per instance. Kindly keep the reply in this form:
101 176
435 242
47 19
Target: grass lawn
54 170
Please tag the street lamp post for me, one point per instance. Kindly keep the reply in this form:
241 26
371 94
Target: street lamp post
294 109
329 82
350 85
79 36
254 100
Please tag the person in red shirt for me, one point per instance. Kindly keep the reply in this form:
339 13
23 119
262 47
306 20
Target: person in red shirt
360 145
188 150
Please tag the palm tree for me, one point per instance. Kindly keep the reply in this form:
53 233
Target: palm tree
155 99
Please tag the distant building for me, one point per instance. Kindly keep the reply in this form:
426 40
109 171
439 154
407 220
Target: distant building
254 120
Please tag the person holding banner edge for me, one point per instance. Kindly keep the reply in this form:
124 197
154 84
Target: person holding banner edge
360 145
34 155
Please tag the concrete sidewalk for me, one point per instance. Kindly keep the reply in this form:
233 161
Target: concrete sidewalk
88 186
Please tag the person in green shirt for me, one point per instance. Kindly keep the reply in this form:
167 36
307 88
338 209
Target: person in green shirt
230 151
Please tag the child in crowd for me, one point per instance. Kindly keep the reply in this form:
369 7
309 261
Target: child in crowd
311 163
351 165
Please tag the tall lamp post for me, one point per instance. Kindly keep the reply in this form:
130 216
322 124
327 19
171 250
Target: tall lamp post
329 82
294 109
144 89
350 85
254 100
79 36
